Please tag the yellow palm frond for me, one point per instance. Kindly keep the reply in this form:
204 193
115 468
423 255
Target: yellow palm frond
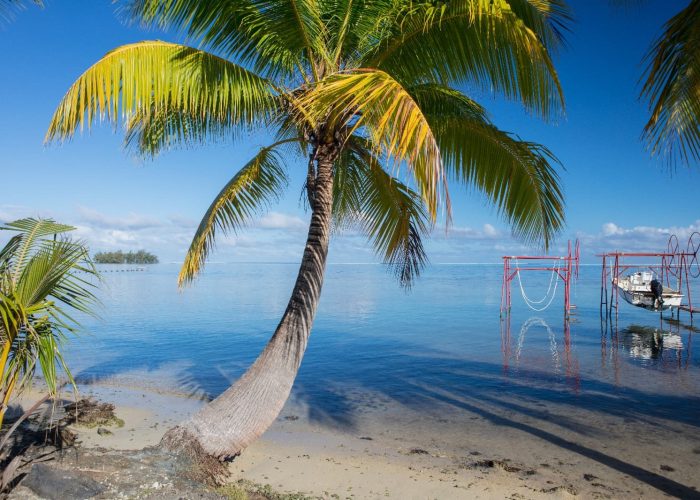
152 77
257 184
275 37
372 101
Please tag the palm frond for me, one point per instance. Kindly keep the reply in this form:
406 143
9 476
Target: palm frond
51 274
391 214
275 37
8 252
373 101
30 232
517 176
672 88
251 190
353 26
8 8
549 19
150 77
150 132
493 45
299 25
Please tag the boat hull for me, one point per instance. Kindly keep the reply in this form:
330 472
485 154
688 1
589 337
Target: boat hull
636 289
646 300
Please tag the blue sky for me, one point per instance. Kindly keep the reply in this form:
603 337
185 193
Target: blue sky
617 197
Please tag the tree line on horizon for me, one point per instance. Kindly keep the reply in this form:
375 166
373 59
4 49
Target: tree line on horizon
119 257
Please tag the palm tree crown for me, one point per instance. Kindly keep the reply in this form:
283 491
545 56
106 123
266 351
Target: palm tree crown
375 77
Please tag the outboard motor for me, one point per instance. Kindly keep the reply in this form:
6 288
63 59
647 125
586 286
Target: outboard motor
657 290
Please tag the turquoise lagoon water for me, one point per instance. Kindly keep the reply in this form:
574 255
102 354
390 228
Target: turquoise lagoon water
442 337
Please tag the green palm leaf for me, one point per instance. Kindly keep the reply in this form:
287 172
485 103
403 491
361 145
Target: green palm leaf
480 42
517 176
392 216
149 133
550 19
49 273
672 87
354 26
256 185
31 230
43 276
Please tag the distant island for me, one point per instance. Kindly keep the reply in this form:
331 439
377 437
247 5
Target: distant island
140 257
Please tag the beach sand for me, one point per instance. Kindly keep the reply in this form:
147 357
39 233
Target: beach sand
472 451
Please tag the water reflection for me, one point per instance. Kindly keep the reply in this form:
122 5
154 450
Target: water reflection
665 346
561 357
648 343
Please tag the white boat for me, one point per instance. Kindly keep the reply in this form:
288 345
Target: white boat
637 290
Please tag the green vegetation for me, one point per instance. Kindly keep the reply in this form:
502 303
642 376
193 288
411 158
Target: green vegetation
672 88
44 278
367 95
119 257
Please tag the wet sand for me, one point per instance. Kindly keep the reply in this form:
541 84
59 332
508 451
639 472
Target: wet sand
456 448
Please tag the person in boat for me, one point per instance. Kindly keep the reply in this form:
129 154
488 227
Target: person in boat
657 290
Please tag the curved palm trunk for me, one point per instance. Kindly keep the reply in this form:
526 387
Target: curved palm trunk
224 427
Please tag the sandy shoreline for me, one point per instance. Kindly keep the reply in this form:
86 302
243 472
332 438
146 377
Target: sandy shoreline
398 452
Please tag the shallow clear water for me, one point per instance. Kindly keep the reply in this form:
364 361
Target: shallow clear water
371 336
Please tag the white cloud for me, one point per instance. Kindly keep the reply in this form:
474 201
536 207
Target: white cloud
168 236
609 229
487 232
180 220
274 237
278 220
613 237
129 222
490 231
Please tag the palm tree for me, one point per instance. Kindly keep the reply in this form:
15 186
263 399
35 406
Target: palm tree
44 277
364 92
672 87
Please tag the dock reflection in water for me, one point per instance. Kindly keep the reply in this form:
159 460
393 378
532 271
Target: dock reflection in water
666 346
559 347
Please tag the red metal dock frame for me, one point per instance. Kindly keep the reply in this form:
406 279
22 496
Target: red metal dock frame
673 263
566 273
